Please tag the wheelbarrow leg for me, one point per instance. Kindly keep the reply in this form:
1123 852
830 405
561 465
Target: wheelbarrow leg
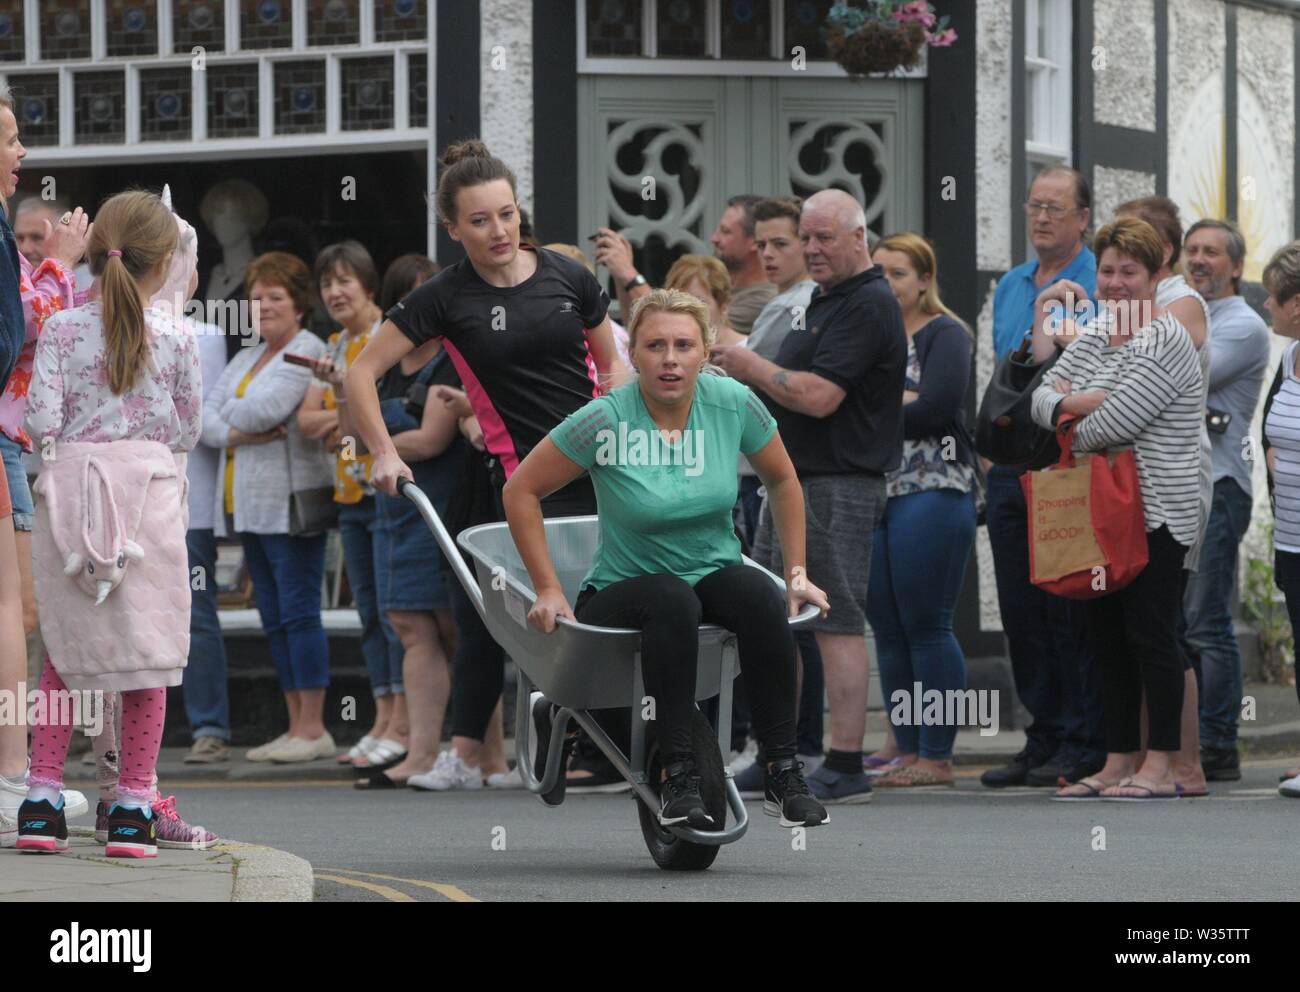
637 762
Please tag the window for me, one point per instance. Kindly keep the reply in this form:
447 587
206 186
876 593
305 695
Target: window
1049 32
148 76
738 37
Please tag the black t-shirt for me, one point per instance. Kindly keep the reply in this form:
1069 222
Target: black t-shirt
521 351
852 335
394 383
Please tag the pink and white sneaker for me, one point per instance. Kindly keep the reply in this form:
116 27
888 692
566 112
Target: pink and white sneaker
174 833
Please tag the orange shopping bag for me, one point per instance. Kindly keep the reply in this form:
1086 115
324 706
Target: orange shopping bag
1087 531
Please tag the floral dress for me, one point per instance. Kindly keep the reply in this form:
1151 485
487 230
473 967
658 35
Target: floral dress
70 398
926 464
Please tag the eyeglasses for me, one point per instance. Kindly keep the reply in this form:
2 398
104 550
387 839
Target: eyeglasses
1054 211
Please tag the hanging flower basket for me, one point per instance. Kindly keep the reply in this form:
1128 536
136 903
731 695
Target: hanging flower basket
878 36
876 47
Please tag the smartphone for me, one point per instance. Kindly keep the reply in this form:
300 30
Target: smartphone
303 360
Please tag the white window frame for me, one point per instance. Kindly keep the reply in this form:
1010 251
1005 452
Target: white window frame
400 137
1049 136
649 64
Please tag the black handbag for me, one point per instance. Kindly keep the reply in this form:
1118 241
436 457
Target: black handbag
311 511
1005 432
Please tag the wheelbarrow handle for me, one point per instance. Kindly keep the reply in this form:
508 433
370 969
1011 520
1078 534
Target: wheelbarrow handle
407 488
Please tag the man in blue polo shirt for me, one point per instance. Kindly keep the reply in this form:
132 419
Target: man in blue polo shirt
1045 633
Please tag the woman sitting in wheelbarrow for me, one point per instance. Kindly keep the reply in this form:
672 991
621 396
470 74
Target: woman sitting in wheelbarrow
662 454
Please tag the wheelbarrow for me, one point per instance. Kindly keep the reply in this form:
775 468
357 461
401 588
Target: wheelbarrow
579 668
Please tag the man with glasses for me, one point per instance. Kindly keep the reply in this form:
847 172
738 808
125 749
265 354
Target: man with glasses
1045 633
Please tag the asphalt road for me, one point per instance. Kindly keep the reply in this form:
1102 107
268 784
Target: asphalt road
963 843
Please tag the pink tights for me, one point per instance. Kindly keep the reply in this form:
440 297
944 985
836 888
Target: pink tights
142 714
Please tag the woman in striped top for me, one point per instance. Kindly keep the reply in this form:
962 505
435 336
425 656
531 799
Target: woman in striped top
1135 380
1282 443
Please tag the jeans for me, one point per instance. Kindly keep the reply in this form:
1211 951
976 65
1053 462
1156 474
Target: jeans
1286 575
206 693
668 613
1211 639
1134 637
918 560
20 492
380 647
1046 637
287 574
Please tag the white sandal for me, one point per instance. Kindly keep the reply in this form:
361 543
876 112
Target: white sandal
384 754
357 751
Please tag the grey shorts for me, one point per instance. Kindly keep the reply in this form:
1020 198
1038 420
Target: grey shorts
842 513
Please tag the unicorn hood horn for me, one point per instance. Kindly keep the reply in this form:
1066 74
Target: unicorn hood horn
175 292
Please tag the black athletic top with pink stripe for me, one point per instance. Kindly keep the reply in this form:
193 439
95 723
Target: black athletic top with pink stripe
521 351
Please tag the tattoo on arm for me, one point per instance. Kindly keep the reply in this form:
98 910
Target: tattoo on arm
782 378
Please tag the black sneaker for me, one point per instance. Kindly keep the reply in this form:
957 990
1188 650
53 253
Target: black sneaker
788 796
1083 768
542 724
602 776
1013 773
1058 766
680 797
1221 764
131 833
41 827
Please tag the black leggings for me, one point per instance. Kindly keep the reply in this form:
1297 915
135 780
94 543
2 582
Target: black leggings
478 668
668 613
1134 638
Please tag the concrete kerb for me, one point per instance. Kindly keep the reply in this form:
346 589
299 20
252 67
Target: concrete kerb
258 873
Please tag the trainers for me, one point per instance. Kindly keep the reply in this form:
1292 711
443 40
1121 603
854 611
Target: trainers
101 822
744 759
838 788
1015 772
301 749
504 780
13 793
132 833
1290 788
263 751
8 831
787 795
424 781
543 715
175 833
1058 766
453 775
207 750
1221 764
680 799
752 782
42 827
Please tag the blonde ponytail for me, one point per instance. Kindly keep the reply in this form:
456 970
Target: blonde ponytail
133 233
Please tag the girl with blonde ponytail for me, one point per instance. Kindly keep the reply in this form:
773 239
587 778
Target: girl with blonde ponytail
115 402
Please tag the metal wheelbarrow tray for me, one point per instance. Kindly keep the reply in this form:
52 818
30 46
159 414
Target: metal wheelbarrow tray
579 667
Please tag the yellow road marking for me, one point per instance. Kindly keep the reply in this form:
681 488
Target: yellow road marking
450 891
392 895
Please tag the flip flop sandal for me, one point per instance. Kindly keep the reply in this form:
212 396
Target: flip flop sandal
1193 793
910 777
357 751
378 781
385 754
1151 795
1093 794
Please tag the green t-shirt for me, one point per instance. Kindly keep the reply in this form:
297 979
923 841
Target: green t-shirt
665 509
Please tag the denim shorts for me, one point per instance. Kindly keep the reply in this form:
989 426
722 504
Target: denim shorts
20 493
408 575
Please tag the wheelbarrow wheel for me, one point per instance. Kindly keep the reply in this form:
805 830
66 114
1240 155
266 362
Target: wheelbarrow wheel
669 851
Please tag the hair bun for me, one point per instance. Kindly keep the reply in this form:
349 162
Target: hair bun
473 148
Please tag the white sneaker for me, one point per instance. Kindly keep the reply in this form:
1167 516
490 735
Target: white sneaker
1290 788
263 751
8 831
505 780
454 775
300 749
14 791
424 781
743 759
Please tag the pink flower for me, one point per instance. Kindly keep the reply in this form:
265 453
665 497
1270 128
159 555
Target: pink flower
916 11
943 40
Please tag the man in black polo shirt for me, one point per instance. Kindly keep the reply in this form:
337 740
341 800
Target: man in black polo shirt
836 390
